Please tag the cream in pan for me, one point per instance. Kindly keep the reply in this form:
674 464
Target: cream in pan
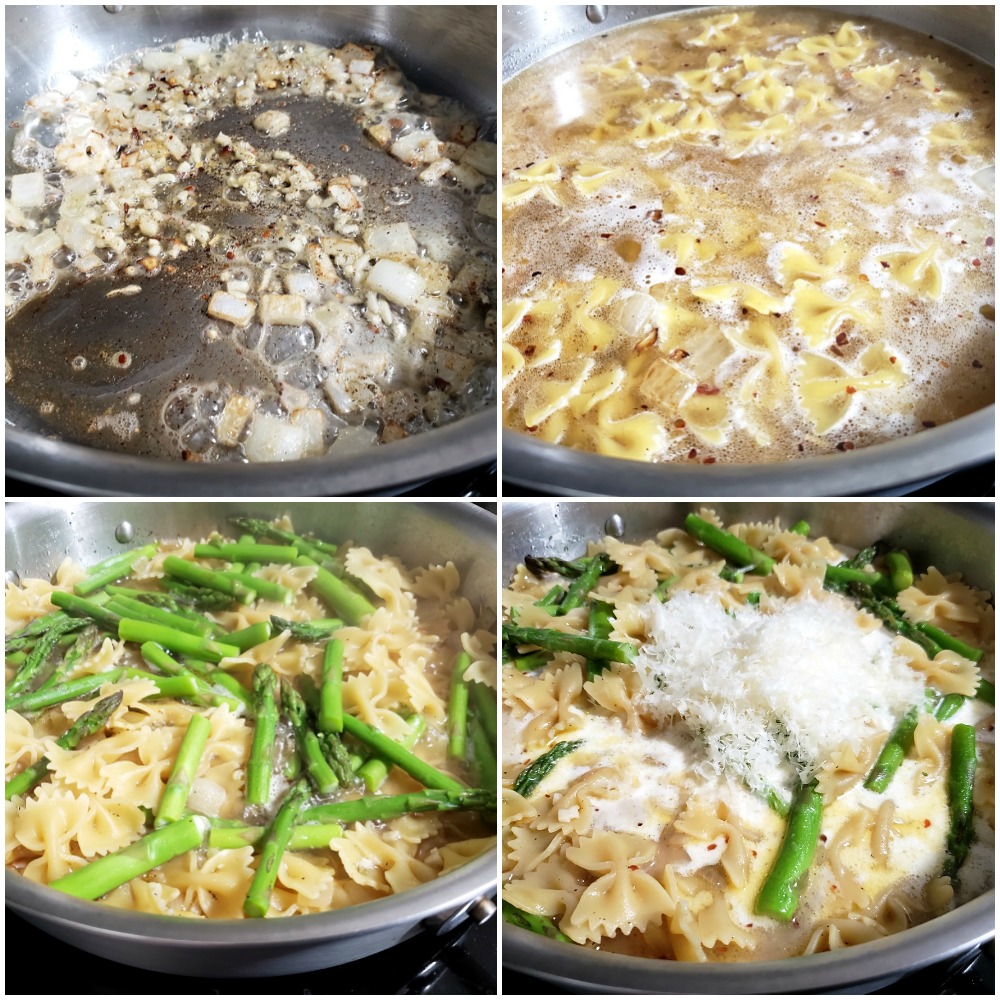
747 237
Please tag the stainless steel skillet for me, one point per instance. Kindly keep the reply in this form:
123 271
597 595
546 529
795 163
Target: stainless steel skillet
444 50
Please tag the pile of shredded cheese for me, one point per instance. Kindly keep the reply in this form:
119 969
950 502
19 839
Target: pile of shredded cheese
772 691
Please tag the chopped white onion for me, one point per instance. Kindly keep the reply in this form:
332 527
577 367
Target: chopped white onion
396 282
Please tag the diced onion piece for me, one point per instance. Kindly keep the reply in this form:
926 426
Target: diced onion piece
233 419
396 282
272 122
233 310
302 283
28 190
274 439
482 156
15 250
633 314
393 240
283 310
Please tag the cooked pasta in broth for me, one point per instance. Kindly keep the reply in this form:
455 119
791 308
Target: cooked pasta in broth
727 744
747 237
272 719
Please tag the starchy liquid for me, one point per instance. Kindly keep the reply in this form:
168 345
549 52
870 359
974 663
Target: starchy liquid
746 237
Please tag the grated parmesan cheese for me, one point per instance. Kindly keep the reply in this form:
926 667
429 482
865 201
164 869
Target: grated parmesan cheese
772 692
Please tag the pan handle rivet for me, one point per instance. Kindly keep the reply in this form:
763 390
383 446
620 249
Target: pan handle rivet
12 577
615 526
596 12
124 532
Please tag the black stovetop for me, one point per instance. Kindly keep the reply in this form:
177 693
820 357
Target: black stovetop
460 962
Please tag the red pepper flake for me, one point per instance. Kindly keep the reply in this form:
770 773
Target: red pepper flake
976 262
892 359
884 263
863 277
989 241
841 338
929 423
977 364
531 430
818 223
693 453
822 837
712 847
845 446
679 423
606 236
850 390
707 390
230 255
127 206
267 232
677 354
927 823
529 350
679 270
708 461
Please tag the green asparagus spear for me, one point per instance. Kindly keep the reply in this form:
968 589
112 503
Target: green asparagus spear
948 706
381 807
330 717
184 771
577 593
397 754
83 608
177 642
304 837
260 764
961 779
599 626
948 641
735 550
779 895
530 778
17 640
33 666
272 847
247 638
552 599
128 607
310 750
247 552
597 649
339 758
103 874
483 754
534 922
897 565
986 692
73 690
82 647
348 604
90 722
458 707
895 749
264 529
266 590
112 569
189 572
313 631
663 586
570 568
375 769
530 661
485 701
800 528
202 598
